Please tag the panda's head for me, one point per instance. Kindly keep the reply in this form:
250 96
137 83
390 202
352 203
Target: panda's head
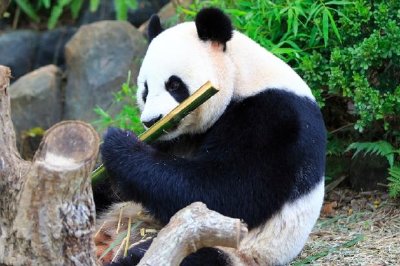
178 61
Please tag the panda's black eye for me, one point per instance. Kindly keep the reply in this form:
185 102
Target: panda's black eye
145 92
177 88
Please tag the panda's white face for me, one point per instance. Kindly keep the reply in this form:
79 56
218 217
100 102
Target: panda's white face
176 64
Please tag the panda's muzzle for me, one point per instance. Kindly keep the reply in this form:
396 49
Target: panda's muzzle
152 121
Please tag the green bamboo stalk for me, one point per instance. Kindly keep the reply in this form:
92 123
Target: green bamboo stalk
169 121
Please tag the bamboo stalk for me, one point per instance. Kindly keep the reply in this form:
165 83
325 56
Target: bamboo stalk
169 121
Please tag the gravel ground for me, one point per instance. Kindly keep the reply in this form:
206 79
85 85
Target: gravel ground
355 229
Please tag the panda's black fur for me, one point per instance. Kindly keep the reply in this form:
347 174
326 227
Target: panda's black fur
245 166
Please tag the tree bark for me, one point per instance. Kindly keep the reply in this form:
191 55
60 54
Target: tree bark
46 206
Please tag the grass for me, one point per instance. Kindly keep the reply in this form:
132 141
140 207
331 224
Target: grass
359 232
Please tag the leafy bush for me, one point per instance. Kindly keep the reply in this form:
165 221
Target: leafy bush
56 8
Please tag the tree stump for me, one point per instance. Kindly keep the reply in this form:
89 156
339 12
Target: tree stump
47 211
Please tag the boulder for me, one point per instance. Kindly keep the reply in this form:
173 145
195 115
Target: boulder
368 172
105 11
18 50
36 99
99 57
145 9
167 14
51 46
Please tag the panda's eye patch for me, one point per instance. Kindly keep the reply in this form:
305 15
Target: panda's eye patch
177 88
145 92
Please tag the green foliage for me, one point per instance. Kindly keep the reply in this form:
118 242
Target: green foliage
386 150
128 117
56 8
381 148
394 178
122 6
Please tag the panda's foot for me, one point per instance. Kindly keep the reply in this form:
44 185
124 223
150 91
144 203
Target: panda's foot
135 254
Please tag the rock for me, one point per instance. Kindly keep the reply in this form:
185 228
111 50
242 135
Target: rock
36 99
18 50
51 46
366 172
145 9
99 57
105 11
167 15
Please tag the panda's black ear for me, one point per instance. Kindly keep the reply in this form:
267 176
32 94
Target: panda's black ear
213 25
154 27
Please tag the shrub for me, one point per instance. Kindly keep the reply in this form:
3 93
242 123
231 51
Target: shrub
54 9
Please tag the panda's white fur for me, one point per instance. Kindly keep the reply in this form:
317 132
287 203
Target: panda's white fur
240 69
281 239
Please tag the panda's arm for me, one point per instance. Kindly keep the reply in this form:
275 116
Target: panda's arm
165 184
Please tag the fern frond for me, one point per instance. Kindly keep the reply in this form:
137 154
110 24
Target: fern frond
394 178
381 148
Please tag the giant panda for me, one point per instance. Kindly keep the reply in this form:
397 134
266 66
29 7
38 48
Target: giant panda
254 151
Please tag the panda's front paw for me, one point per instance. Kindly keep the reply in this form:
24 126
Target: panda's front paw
119 148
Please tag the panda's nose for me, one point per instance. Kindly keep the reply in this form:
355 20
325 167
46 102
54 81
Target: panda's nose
152 121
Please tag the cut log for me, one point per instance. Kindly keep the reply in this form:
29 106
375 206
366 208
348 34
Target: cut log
46 206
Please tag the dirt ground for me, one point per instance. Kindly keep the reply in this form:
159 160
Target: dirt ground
355 229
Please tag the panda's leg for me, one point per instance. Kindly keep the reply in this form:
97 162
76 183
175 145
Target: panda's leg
135 254
204 256
207 256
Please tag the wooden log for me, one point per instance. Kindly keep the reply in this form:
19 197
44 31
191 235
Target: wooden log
191 229
46 206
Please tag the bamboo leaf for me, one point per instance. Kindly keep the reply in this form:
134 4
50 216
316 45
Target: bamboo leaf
295 26
94 5
334 28
325 26
75 7
55 14
338 3
46 3
290 20
122 9
28 9
132 4
313 36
